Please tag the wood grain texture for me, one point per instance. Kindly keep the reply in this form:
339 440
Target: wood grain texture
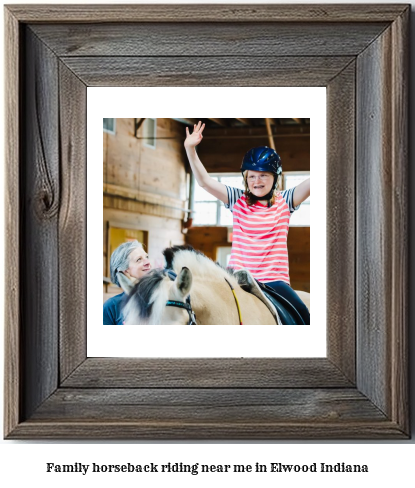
341 235
362 430
132 169
212 405
150 429
374 220
13 383
202 39
72 222
40 206
205 13
400 230
382 247
207 71
206 373
125 204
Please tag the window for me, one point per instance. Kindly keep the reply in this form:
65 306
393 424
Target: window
223 255
109 126
150 132
301 217
208 209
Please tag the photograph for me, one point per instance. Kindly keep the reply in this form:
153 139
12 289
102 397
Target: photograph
206 221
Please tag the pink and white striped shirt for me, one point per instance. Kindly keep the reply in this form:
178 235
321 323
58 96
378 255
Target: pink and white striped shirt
260 235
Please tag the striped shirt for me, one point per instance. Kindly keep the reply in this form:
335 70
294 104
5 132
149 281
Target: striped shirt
260 233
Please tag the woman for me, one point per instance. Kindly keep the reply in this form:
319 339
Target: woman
131 260
261 215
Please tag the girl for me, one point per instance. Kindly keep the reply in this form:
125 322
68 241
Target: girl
131 260
261 215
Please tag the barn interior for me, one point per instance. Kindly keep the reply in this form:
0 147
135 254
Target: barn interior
150 194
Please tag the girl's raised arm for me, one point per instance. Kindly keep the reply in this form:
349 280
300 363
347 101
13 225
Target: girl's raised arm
301 192
212 186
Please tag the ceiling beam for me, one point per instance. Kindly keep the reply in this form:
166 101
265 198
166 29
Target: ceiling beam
299 121
245 121
187 121
270 136
221 122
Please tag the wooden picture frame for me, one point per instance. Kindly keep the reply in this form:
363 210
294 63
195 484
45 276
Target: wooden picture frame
360 53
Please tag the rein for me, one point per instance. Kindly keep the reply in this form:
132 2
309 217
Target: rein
236 301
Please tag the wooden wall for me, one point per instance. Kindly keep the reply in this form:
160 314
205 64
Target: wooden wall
145 188
299 257
206 239
129 163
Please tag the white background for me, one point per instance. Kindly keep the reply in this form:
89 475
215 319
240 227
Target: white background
188 341
390 463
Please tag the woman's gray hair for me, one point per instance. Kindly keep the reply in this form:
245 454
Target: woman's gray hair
120 259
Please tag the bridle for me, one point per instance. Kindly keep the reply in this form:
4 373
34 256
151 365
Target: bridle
188 306
178 304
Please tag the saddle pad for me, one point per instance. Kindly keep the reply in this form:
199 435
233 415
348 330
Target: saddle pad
289 315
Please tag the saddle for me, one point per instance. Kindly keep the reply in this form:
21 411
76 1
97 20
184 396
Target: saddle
283 311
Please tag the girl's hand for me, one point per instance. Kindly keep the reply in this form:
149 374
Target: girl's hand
193 139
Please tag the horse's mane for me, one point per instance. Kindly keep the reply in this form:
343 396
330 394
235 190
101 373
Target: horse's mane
170 253
200 265
141 300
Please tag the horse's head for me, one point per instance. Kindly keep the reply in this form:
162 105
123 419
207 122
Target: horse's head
149 299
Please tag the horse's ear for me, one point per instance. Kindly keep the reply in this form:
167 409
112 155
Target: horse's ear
126 283
184 281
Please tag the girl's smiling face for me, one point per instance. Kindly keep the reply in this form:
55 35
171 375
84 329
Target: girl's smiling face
259 182
139 264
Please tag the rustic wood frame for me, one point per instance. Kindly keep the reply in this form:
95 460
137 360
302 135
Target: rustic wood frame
360 53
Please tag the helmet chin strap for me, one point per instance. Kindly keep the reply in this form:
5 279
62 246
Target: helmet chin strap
268 196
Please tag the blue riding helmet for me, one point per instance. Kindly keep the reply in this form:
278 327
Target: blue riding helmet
262 158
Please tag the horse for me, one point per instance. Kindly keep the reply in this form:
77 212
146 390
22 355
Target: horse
201 292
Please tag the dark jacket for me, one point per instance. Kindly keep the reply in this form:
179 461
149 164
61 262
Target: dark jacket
112 310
